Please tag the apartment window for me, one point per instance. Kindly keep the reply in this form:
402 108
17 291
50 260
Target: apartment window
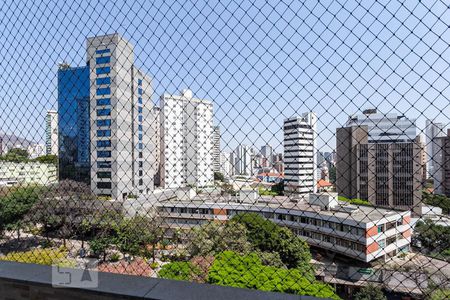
139 81
101 133
103 80
140 136
140 110
103 153
103 112
104 185
139 91
141 182
104 101
106 122
140 155
380 228
140 100
140 173
140 118
103 60
103 164
103 91
102 51
103 174
140 127
140 146
382 244
104 143
141 164
102 70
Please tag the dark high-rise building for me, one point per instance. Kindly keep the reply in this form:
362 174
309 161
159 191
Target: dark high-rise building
387 174
73 123
441 162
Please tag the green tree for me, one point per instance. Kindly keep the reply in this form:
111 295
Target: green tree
370 292
228 189
440 294
232 269
278 188
16 155
435 238
218 176
100 244
179 271
213 237
15 204
47 159
437 200
63 207
332 172
136 234
266 236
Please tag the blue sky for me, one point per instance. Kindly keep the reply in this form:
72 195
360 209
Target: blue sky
259 63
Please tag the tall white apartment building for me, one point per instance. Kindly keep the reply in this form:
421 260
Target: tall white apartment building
51 133
226 165
267 156
186 141
121 115
433 130
216 148
300 159
243 163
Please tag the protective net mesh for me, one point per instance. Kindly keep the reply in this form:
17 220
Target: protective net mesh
288 146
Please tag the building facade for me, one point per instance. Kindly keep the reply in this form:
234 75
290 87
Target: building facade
226 165
433 130
300 160
51 133
121 114
73 123
216 148
267 156
186 141
385 128
388 174
442 165
243 160
363 233
12 173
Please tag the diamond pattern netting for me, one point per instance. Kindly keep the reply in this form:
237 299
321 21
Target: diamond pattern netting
296 147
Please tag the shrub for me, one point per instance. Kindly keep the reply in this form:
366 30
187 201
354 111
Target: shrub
231 269
115 257
154 265
47 256
179 271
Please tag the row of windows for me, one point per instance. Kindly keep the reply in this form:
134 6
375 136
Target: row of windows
103 112
104 185
102 133
102 70
103 91
105 122
103 80
103 60
104 101
103 174
104 164
103 143
102 51
103 153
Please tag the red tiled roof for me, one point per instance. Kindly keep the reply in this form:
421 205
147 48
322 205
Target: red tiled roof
323 183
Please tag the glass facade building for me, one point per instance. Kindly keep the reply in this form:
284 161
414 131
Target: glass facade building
73 123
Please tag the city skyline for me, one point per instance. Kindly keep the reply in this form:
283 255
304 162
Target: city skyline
236 96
